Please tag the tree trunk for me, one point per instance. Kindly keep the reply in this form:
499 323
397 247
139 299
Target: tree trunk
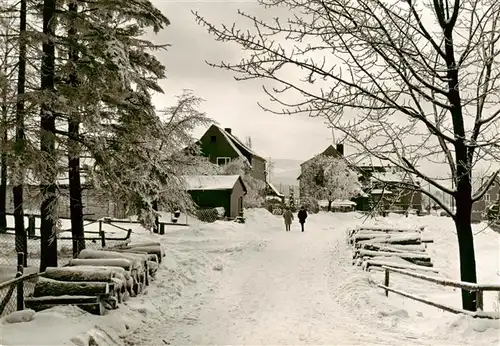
466 246
156 226
102 262
75 186
463 175
48 243
329 205
3 159
49 287
17 190
79 274
3 181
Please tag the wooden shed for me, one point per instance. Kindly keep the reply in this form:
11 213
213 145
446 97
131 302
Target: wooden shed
212 191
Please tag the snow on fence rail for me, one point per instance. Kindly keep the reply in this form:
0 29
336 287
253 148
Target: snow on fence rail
478 288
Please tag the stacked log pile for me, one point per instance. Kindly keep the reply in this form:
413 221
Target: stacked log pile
98 280
377 246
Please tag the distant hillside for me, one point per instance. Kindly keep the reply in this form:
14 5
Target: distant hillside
285 173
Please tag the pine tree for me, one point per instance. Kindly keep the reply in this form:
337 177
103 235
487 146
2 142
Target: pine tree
291 199
75 186
7 71
48 185
21 241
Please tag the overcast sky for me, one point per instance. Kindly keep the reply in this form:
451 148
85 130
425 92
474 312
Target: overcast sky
232 104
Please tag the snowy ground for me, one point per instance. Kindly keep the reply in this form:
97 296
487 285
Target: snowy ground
254 283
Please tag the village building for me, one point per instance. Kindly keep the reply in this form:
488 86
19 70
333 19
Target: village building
214 191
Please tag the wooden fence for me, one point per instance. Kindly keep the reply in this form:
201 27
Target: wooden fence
477 288
13 292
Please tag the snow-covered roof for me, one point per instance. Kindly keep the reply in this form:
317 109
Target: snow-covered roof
231 143
232 139
390 176
336 203
275 190
380 191
211 182
330 149
343 203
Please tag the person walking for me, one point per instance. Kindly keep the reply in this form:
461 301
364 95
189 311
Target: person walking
288 217
302 216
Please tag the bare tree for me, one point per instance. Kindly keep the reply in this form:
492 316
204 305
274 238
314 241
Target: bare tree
408 82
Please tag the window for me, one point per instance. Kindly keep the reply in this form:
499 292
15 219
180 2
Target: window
213 139
223 160
487 197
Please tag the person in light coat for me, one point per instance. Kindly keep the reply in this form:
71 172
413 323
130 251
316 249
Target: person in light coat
288 217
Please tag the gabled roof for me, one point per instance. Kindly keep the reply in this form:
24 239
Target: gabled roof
275 190
212 182
329 151
229 140
237 144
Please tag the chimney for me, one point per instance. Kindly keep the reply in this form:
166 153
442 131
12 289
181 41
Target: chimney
340 149
228 130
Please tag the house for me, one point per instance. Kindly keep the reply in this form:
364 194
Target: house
273 192
221 147
479 208
390 196
375 178
212 191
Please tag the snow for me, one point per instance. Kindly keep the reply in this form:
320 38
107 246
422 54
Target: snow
254 283
275 190
210 182
337 203
380 191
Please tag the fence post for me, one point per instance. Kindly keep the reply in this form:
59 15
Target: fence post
31 226
155 226
479 300
20 284
162 228
386 281
103 238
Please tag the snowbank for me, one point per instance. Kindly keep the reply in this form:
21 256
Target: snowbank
444 254
194 255
203 257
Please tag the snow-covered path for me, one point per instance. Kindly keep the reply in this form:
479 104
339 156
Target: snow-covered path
255 284
295 290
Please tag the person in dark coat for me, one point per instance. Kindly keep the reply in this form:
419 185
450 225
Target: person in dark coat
302 216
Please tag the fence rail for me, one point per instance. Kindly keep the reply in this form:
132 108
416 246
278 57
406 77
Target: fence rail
29 245
479 289
13 292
